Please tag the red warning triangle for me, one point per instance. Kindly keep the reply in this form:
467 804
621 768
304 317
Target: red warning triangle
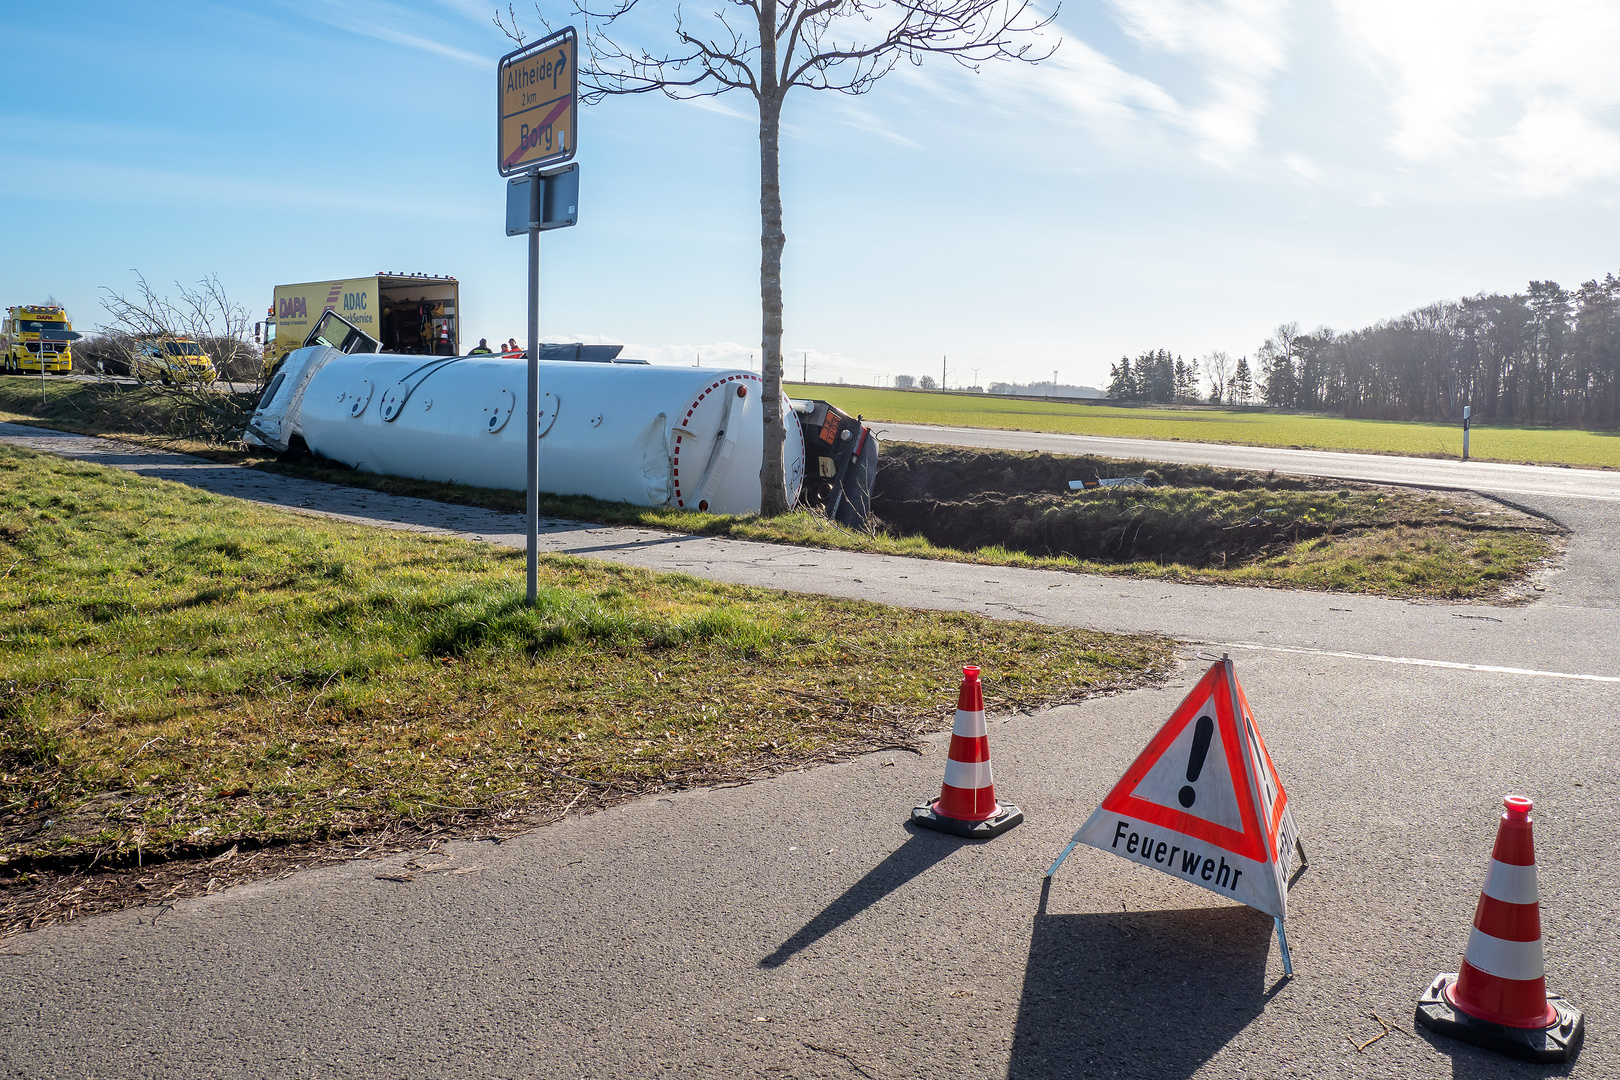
1203 802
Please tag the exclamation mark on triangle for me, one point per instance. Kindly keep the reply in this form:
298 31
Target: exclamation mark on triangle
1195 761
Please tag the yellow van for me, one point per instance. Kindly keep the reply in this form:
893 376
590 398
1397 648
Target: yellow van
171 359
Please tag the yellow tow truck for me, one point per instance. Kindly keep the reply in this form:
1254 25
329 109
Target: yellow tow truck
36 338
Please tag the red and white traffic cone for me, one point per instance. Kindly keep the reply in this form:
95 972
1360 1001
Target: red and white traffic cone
967 801
1500 1000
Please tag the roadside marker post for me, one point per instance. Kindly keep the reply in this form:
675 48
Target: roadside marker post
1468 410
536 127
1204 804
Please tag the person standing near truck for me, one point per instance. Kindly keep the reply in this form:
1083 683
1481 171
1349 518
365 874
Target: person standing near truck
482 349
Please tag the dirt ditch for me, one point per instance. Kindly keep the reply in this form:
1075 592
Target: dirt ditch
1193 515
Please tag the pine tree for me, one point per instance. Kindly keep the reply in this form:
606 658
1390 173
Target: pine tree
1242 382
1121 382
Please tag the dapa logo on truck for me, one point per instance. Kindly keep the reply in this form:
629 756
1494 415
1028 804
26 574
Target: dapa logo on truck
292 307
354 301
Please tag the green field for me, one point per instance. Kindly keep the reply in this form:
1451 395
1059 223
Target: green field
1250 427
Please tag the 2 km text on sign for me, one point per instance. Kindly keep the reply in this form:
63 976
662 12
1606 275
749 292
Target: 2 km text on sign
537 104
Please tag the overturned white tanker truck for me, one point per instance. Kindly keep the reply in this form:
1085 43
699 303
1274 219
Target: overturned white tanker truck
617 430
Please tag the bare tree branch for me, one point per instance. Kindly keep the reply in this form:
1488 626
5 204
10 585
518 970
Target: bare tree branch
203 313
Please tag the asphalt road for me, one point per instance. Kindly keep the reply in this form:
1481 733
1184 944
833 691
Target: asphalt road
797 927
1501 479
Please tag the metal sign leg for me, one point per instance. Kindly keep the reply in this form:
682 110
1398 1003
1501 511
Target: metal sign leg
1282 944
1053 869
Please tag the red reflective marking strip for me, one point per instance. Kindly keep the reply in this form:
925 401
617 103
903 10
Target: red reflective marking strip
971 697
967 804
964 748
1513 844
1520 1003
1509 922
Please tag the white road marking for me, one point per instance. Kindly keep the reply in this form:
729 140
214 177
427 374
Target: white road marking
1413 661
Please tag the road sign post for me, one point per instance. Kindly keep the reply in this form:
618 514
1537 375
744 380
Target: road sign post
1468 410
536 107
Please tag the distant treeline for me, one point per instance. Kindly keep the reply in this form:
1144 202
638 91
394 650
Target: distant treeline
1038 389
1045 389
1158 376
1547 355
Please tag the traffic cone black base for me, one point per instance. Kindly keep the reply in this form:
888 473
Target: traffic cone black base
1556 1042
929 818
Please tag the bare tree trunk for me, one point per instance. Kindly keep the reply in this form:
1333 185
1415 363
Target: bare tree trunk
772 479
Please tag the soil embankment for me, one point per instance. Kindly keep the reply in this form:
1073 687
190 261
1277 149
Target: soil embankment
1195 516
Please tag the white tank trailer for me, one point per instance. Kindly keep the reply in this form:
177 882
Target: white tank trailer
621 431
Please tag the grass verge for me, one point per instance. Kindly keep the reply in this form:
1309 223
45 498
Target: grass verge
1201 524
182 673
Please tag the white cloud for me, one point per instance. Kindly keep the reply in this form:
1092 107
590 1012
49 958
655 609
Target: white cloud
1228 52
1521 92
1304 166
861 118
1239 46
1078 85
1557 145
383 21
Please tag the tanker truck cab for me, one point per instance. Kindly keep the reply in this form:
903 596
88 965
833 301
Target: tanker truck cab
332 336
336 332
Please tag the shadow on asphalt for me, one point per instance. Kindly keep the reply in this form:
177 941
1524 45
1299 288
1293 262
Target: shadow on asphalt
1470 1062
922 850
1150 994
635 544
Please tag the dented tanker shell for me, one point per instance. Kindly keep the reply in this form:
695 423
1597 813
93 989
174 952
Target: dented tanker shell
650 436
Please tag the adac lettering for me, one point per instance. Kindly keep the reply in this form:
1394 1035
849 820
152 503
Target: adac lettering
292 307
354 301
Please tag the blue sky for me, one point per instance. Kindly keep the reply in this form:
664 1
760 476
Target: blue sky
1181 175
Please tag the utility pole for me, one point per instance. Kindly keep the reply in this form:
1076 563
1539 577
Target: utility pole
805 376
942 372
